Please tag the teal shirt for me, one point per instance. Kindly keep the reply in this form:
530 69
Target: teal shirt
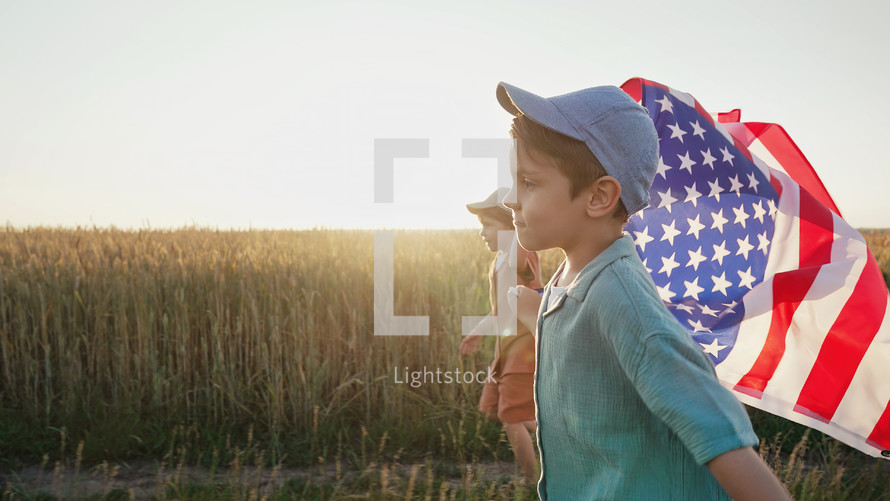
628 406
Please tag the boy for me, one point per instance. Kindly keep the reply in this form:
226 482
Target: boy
510 397
627 406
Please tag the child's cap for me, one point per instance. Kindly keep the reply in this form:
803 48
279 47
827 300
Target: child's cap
617 130
492 202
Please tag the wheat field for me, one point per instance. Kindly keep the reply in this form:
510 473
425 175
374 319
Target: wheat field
199 347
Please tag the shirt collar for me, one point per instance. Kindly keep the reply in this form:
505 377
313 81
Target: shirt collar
623 247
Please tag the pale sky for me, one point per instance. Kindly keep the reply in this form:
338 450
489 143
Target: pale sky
264 114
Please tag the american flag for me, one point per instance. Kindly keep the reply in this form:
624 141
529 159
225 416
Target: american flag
751 255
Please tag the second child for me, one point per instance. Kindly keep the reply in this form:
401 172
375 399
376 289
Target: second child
508 396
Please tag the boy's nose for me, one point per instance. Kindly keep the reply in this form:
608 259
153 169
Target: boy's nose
511 195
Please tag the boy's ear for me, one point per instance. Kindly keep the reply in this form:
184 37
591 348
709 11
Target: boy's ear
605 193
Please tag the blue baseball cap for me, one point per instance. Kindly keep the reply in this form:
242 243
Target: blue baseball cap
617 130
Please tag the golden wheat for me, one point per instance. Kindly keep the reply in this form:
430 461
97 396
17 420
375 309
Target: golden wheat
196 329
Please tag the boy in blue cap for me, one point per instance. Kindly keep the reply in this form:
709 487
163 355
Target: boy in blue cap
627 406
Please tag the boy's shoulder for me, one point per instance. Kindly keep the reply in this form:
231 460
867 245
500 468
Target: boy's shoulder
616 292
618 267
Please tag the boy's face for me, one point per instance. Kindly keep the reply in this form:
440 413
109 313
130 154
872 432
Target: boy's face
544 213
491 225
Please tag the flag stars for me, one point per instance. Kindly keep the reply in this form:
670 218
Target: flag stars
744 247
697 130
736 252
736 185
707 158
665 104
727 156
759 212
692 195
719 220
740 215
668 264
763 243
713 348
665 293
666 200
685 307
753 182
662 167
695 226
677 132
705 310
686 162
716 190
720 252
642 238
695 258
746 278
697 326
669 232
721 283
693 289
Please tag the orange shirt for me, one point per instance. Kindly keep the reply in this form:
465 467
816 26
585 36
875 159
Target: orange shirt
515 353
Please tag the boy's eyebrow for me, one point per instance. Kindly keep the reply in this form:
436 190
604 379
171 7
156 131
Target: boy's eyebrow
525 172
521 170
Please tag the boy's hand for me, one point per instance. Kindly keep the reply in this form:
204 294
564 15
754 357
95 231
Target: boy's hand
469 344
528 302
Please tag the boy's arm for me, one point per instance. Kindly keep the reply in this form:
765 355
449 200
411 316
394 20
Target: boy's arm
745 476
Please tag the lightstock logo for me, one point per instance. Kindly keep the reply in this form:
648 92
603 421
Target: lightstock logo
386 323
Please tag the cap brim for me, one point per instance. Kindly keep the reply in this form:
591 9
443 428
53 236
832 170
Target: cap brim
517 101
478 211
493 201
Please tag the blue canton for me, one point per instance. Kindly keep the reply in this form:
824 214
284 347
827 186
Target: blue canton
706 235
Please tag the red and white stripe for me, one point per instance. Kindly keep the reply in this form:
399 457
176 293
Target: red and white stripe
814 346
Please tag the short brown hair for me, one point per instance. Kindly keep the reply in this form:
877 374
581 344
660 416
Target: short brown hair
572 157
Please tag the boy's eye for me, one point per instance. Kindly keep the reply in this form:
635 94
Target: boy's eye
528 184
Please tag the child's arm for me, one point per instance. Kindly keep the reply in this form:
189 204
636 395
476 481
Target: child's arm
471 341
470 344
745 476
527 305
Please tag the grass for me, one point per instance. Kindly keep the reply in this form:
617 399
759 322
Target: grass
213 350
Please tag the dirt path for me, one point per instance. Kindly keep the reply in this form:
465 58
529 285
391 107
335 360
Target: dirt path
147 480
